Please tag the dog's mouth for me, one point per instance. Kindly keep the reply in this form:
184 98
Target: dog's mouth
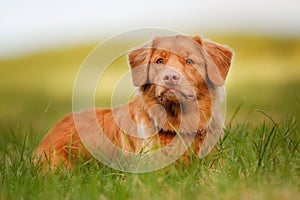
173 94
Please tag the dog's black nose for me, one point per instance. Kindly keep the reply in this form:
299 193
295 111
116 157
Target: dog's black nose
171 77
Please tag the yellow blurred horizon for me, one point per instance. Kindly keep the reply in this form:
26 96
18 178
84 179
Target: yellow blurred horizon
265 75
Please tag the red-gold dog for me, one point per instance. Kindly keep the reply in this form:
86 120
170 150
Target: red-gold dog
177 76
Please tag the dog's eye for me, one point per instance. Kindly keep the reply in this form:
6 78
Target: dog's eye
189 61
159 61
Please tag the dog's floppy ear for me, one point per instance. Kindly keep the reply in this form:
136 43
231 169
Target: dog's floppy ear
139 60
218 60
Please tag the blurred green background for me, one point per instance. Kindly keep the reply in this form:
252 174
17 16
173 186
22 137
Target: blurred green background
37 89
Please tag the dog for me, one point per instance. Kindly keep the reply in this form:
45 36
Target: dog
178 79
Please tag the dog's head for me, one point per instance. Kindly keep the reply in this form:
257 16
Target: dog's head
179 68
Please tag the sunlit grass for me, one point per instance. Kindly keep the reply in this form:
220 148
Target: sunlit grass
256 162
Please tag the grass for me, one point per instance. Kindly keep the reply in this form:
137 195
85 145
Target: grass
251 162
258 158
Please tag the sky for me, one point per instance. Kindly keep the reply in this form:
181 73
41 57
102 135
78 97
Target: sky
33 25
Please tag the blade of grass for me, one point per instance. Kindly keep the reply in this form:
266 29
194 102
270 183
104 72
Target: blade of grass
177 133
23 146
264 145
236 111
268 116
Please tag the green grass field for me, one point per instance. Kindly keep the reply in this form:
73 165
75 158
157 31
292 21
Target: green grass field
259 157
